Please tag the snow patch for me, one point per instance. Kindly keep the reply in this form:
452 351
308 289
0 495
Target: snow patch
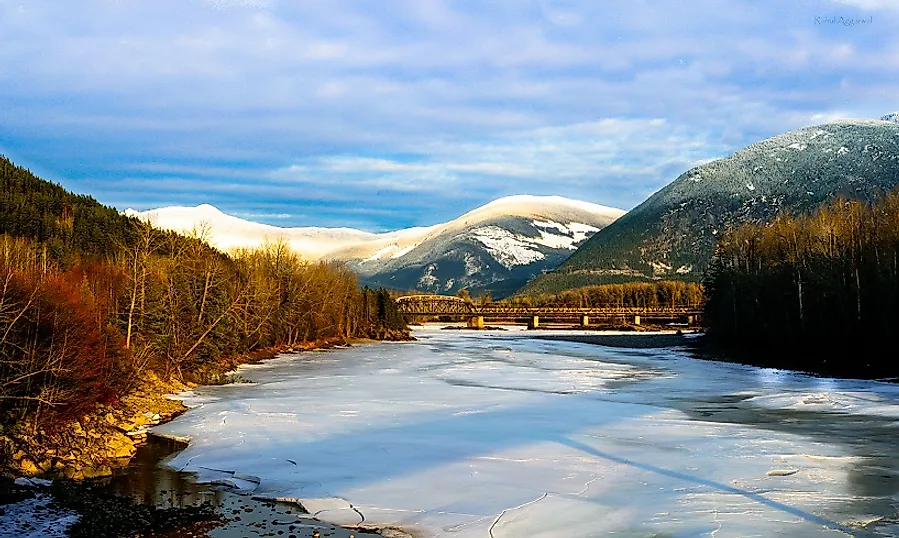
659 267
511 250
37 517
505 247
378 254
32 482
473 265
403 251
428 280
569 236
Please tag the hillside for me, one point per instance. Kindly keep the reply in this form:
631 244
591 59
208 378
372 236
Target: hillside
67 224
227 232
673 233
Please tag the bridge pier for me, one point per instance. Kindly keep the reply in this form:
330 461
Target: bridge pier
585 321
476 322
691 320
636 320
534 322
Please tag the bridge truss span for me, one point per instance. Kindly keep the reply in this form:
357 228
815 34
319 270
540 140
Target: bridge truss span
445 305
434 305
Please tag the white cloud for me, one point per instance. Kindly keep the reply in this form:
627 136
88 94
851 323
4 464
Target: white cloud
600 100
870 4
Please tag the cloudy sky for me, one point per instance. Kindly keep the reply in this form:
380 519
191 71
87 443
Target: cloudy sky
387 114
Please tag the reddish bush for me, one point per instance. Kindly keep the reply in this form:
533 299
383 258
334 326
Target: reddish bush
56 361
104 282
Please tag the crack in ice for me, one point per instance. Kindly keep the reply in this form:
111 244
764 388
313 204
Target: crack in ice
349 505
500 516
586 486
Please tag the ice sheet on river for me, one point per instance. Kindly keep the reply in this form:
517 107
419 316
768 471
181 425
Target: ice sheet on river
475 434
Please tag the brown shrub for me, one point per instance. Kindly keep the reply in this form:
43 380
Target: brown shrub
56 360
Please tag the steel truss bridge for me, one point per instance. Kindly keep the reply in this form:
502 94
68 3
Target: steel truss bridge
445 305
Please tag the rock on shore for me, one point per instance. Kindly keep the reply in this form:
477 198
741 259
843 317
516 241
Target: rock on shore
97 443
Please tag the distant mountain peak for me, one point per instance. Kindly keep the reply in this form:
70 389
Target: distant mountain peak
892 116
495 247
531 201
228 232
198 210
209 208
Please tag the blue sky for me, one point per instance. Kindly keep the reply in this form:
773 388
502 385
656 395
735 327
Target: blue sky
382 115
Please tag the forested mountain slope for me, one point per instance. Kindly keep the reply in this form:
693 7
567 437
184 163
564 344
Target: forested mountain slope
47 213
673 233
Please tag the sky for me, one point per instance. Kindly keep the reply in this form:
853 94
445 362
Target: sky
386 114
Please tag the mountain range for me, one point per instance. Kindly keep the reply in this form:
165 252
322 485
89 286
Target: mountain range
673 233
505 244
495 248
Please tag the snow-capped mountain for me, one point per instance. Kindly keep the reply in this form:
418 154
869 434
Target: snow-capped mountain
496 247
673 233
227 232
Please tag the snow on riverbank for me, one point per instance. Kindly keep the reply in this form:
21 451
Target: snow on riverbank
35 518
478 434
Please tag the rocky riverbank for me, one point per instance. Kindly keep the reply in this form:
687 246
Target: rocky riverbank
97 443
147 499
102 489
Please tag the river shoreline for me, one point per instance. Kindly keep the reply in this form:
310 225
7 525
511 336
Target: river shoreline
149 499
235 514
101 454
701 347
634 340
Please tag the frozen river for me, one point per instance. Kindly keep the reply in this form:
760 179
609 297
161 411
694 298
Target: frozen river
499 434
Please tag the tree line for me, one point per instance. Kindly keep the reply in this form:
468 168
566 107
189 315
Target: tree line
818 292
72 337
667 293
83 314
